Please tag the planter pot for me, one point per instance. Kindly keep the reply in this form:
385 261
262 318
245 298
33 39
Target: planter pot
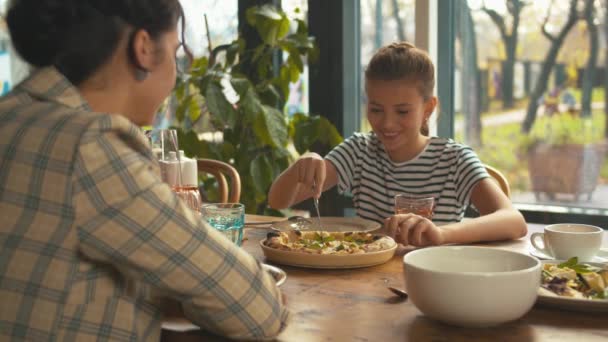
565 169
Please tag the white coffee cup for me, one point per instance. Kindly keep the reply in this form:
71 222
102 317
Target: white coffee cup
566 240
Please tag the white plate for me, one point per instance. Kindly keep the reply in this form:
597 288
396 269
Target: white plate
329 224
308 260
548 298
601 257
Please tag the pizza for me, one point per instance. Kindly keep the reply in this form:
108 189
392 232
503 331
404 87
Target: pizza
334 243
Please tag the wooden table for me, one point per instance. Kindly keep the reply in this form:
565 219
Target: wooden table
355 305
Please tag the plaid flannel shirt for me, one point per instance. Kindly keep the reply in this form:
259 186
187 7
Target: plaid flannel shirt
91 240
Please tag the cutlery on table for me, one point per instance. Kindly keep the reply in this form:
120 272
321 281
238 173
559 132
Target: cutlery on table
295 218
316 202
398 292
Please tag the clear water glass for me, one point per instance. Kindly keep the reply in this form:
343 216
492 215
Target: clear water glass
419 205
227 218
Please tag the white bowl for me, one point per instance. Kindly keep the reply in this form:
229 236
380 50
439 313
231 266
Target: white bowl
471 286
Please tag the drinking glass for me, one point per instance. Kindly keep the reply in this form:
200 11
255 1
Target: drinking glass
228 218
419 205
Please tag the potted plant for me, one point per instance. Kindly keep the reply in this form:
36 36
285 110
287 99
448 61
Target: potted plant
565 153
231 105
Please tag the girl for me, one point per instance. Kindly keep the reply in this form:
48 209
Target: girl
399 156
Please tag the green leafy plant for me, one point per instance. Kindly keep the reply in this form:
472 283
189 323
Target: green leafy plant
563 129
230 107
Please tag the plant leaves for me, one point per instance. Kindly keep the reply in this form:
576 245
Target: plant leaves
251 106
232 52
262 173
241 85
276 126
192 146
306 132
328 133
219 105
270 95
271 23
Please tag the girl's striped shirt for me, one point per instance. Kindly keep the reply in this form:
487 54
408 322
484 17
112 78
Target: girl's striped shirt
445 170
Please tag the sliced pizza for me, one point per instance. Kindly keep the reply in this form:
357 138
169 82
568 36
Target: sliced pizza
323 242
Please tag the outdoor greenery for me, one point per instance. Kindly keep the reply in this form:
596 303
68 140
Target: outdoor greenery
504 145
230 107
564 128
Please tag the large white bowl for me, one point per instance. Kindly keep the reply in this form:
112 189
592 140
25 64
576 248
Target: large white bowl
471 286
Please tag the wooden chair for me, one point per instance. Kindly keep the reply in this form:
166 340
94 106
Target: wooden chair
500 179
219 169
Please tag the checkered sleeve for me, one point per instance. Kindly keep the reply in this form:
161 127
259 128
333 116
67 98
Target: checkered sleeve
128 218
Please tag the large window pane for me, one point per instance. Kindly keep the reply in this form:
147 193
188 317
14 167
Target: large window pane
298 91
538 116
222 19
12 68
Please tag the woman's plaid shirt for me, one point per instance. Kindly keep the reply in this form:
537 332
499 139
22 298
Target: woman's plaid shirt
91 240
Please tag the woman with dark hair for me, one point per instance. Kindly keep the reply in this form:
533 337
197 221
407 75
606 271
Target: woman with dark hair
92 242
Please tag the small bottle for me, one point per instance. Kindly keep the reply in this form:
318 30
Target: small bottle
187 189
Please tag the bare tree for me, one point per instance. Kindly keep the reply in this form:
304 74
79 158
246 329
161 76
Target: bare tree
400 27
549 61
509 38
590 70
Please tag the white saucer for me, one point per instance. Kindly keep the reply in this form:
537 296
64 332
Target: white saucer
601 257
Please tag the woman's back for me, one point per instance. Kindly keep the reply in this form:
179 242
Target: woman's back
41 267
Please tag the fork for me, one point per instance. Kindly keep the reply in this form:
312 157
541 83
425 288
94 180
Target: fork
316 203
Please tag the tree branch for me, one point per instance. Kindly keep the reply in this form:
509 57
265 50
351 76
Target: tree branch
544 30
497 19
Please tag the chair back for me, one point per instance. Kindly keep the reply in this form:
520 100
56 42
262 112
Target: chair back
500 179
229 193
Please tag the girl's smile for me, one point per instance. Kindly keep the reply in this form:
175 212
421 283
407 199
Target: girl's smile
396 111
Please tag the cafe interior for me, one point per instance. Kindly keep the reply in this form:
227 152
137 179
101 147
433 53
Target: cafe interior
265 83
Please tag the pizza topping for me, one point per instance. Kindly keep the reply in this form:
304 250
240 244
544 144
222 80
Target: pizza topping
322 242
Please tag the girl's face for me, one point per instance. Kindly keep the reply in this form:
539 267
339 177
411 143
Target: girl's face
396 111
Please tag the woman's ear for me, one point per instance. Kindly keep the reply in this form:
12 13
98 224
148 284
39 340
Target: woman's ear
144 50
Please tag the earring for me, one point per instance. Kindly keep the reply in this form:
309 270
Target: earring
141 74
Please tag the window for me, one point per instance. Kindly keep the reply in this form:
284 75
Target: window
222 18
539 118
12 68
298 91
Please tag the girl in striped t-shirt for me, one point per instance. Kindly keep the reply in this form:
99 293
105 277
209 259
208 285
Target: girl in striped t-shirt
399 156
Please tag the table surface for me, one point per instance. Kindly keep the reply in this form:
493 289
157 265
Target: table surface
355 305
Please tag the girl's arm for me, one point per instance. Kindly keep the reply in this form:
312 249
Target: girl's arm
298 181
499 220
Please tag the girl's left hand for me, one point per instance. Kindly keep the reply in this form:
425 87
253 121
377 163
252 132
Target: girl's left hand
412 229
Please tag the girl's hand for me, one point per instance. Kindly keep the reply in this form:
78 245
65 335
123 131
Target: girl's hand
412 229
310 172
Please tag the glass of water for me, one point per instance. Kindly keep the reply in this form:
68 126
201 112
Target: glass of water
227 218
